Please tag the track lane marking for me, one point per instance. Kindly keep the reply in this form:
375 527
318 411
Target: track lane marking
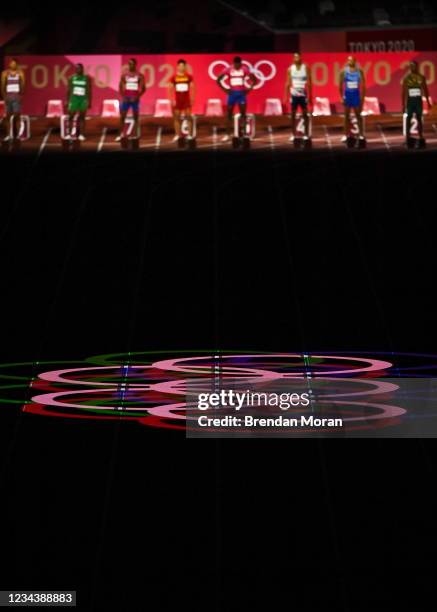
44 142
271 138
327 137
384 139
102 139
158 138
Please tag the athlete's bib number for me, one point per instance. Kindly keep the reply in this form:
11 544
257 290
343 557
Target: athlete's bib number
351 85
13 88
131 86
181 87
237 81
78 90
414 92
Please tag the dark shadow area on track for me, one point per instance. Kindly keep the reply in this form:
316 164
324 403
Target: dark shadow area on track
221 250
225 250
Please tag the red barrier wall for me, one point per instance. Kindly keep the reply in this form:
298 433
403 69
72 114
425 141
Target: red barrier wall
47 76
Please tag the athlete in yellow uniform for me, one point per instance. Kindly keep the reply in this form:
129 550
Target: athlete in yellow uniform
181 93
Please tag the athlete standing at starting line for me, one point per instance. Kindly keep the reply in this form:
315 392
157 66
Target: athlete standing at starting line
79 98
352 92
181 92
238 74
298 85
131 88
414 88
12 90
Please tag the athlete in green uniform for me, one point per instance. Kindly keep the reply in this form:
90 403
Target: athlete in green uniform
414 87
79 97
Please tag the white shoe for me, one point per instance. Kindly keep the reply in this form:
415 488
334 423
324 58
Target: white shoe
291 138
362 137
118 139
344 139
6 139
306 137
176 138
81 137
225 138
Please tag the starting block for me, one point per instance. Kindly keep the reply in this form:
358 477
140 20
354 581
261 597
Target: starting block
371 106
321 107
214 108
55 108
273 107
299 140
70 131
110 109
188 132
353 139
426 108
19 131
131 134
244 131
163 108
412 140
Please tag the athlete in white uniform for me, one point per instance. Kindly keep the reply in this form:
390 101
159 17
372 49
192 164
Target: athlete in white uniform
12 89
298 85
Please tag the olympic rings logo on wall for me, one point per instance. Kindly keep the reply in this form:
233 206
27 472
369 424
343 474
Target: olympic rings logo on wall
255 69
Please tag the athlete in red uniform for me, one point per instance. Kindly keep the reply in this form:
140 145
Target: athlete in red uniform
181 91
12 89
131 88
240 81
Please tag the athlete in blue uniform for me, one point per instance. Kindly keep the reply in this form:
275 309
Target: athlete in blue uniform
352 92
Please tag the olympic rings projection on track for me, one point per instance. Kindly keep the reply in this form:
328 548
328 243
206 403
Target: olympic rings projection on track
157 389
